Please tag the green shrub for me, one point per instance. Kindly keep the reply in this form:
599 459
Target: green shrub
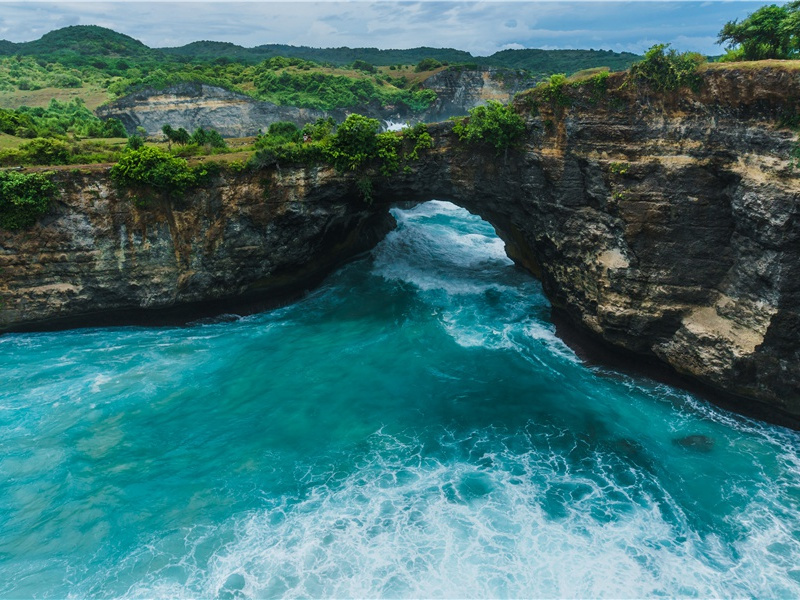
24 197
152 167
420 138
355 143
208 137
45 151
553 90
668 70
388 152
134 142
492 125
427 64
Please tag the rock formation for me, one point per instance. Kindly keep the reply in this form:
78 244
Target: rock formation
193 105
662 224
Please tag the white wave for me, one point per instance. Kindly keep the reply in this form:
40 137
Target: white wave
403 525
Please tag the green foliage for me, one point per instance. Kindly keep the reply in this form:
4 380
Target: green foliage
770 32
320 130
45 151
355 143
420 138
599 86
208 137
282 132
618 168
362 65
364 185
135 142
553 90
58 119
176 136
492 125
668 70
389 145
427 64
24 197
152 167
16 123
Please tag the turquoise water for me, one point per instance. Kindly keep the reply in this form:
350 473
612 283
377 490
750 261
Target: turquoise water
411 428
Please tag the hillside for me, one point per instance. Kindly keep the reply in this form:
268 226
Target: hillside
80 45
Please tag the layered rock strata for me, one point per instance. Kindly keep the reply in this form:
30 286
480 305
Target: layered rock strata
265 237
665 225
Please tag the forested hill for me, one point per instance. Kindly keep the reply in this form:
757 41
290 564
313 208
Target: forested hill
81 45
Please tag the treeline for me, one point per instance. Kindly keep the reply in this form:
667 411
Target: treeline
58 119
82 46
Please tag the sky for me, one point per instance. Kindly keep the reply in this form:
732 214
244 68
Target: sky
481 28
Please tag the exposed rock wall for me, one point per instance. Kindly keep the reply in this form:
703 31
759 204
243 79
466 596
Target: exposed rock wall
459 90
266 236
193 105
664 225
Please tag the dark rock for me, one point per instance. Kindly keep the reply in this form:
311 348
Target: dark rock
698 443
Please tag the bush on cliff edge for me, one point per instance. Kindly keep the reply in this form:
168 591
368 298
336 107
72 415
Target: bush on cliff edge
494 125
152 167
24 197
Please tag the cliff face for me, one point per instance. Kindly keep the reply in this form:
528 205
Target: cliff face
263 236
459 90
193 105
664 225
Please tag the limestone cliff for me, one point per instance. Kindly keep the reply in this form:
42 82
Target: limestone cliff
662 224
263 236
459 90
193 105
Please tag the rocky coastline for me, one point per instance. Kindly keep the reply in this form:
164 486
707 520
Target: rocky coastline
664 225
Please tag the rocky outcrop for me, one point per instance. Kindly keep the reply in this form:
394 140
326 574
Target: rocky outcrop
193 105
263 237
664 225
458 90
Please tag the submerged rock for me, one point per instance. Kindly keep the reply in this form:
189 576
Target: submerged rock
698 443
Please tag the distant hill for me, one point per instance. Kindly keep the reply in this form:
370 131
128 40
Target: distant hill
335 56
78 42
561 61
88 44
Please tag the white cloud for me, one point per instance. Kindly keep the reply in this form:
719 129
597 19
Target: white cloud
479 27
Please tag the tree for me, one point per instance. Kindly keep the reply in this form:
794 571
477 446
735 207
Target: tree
355 143
770 32
493 125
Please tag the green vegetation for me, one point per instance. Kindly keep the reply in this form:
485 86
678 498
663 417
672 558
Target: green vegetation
355 143
24 197
150 168
51 151
770 32
492 125
553 91
427 64
94 58
666 71
58 119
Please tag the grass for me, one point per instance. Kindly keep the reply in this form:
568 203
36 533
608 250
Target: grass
587 73
10 142
752 65
93 97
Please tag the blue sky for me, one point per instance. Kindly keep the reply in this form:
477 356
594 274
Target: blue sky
478 27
